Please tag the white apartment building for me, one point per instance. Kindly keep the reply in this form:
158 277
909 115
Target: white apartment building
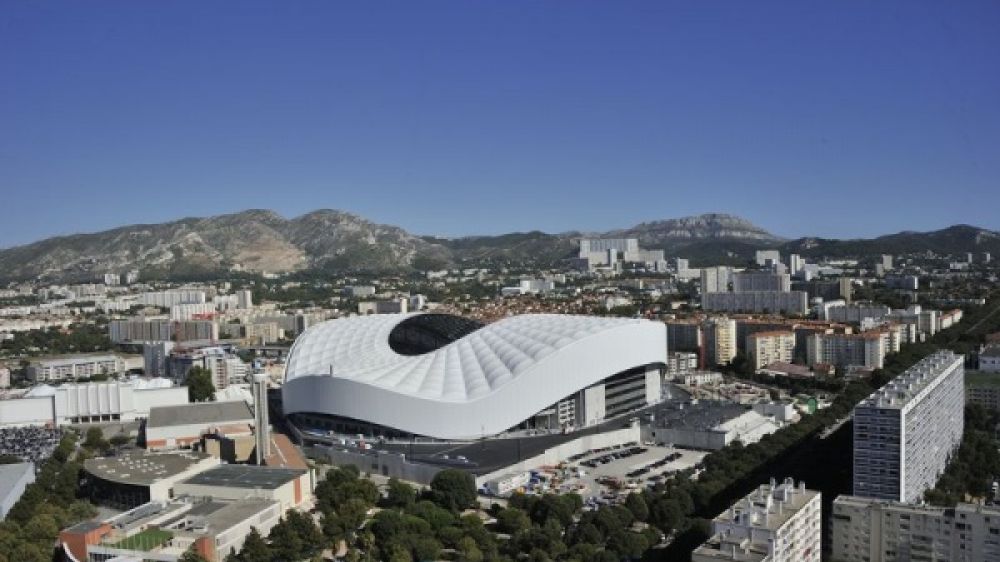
191 311
764 348
720 340
166 299
748 282
71 367
774 523
867 349
160 329
905 431
608 252
854 313
872 530
681 362
715 279
790 302
763 256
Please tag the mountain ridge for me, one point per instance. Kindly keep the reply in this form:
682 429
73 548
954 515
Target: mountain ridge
333 240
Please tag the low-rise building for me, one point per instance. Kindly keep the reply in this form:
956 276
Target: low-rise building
873 530
774 523
164 530
170 427
287 486
989 359
75 366
132 479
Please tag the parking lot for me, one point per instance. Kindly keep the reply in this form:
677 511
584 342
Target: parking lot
607 476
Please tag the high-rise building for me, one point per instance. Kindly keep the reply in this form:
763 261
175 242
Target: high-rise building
886 262
905 432
774 523
867 349
262 422
873 530
764 348
795 263
245 298
720 340
715 279
748 282
774 302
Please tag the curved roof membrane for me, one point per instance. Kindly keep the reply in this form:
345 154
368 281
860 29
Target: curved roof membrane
449 377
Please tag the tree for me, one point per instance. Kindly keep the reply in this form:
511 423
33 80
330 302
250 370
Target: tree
635 504
191 555
120 439
254 548
200 386
468 550
400 494
94 440
454 489
511 520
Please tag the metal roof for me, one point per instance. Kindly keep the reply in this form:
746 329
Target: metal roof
245 476
200 413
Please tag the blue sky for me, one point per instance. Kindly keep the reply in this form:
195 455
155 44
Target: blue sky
839 119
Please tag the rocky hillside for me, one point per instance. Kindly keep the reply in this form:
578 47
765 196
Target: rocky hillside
338 242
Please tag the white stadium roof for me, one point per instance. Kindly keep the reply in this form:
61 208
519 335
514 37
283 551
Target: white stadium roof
481 380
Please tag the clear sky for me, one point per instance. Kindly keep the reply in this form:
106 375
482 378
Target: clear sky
838 119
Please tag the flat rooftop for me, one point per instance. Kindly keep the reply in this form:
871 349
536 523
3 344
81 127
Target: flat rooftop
207 413
245 476
703 415
11 474
898 392
143 469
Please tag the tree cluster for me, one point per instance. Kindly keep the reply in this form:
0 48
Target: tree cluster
200 386
48 504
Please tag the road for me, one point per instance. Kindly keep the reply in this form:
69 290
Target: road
975 326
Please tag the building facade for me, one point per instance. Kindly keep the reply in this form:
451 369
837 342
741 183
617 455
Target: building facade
873 530
905 432
764 348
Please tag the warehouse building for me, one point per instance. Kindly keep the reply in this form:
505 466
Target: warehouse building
90 402
170 427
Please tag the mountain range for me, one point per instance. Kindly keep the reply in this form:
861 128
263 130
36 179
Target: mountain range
340 242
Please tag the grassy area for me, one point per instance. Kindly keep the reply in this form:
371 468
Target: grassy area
145 541
979 378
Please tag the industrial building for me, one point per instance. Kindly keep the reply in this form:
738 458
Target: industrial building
448 377
710 426
905 432
287 486
774 523
169 427
873 530
90 402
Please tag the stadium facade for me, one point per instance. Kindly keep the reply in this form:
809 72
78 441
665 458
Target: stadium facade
452 378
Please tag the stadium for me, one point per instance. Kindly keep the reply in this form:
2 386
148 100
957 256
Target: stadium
447 377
